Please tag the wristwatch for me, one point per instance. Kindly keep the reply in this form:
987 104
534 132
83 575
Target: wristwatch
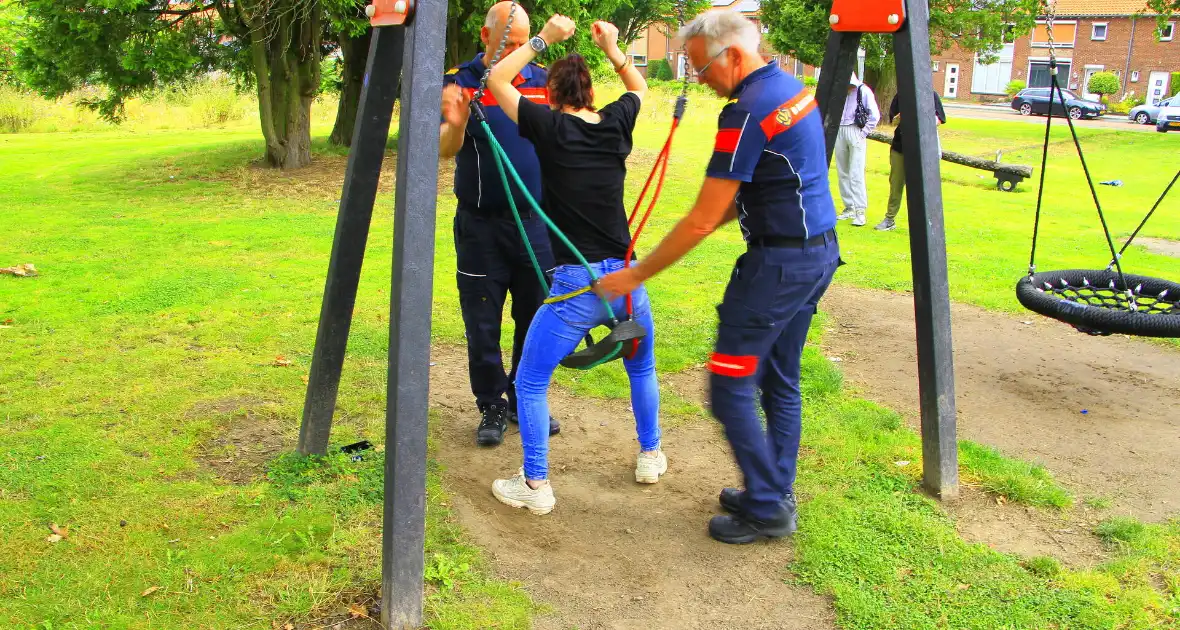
538 45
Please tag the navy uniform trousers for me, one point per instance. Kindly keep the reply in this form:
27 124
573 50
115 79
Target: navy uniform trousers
764 317
492 263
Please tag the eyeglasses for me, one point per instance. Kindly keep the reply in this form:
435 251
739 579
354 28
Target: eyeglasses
702 71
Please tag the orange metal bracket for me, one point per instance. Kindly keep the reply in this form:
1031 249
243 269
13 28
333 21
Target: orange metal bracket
867 16
390 12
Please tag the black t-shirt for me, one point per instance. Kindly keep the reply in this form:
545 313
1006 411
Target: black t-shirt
583 167
895 110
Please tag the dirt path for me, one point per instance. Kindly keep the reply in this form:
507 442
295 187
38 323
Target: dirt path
1022 384
614 554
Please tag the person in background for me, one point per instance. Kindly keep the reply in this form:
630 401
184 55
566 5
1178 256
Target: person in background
860 118
897 162
490 256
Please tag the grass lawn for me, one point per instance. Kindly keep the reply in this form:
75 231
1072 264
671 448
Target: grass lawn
178 282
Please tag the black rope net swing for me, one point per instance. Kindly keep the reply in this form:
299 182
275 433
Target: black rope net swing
1103 301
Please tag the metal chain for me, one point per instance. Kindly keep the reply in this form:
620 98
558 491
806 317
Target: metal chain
1051 14
483 82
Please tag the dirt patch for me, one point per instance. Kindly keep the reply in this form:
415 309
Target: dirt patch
1164 246
1022 384
322 179
1028 532
691 384
248 436
614 554
356 611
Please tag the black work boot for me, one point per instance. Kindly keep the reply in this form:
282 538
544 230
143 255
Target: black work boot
554 425
492 424
739 529
731 501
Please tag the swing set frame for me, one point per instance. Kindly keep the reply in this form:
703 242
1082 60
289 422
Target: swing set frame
405 58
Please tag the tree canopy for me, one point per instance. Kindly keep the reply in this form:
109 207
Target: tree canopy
465 18
800 28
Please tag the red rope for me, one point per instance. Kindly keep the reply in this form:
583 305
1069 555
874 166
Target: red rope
660 166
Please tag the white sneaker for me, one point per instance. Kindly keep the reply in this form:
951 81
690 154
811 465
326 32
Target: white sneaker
847 214
859 219
648 468
517 493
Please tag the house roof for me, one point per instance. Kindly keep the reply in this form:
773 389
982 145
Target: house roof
1095 8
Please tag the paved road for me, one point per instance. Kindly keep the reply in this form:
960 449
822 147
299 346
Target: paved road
986 112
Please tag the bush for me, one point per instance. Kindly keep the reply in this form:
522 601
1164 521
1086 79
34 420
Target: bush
1128 103
660 70
1103 84
215 102
1175 86
810 82
603 73
18 110
330 79
1014 87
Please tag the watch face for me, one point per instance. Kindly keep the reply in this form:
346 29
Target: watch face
537 44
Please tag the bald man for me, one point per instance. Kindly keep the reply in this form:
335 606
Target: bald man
491 258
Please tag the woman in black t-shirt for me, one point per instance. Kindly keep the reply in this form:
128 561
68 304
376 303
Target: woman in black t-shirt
583 153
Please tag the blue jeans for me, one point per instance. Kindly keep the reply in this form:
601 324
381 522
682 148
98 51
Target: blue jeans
556 331
764 317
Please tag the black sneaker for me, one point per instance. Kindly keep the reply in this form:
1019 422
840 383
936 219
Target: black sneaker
741 529
731 501
554 425
492 425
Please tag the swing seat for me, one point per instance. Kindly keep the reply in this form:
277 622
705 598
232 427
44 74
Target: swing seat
608 348
1096 303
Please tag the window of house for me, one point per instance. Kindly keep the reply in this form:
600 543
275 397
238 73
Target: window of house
1099 31
934 66
1167 32
1064 34
1135 76
639 60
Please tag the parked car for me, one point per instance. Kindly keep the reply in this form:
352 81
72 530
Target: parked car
1169 117
1147 114
1036 101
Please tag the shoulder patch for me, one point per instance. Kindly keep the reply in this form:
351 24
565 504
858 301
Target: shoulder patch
454 70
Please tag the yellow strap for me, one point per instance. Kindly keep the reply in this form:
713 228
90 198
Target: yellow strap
567 296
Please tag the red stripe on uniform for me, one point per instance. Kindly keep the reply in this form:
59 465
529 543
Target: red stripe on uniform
729 365
786 115
536 95
727 140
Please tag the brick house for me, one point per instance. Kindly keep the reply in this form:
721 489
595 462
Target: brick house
1090 36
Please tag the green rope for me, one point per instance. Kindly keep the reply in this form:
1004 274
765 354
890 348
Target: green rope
524 235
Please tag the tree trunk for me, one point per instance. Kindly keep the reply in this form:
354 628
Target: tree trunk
355 52
460 47
286 55
882 77
967 160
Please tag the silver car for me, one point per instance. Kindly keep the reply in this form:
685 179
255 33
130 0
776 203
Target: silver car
1148 114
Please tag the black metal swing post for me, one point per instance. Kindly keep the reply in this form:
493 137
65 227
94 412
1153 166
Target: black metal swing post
374 114
406 51
936 381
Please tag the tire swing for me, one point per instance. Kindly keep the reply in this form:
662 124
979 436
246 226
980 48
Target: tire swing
1104 301
625 334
